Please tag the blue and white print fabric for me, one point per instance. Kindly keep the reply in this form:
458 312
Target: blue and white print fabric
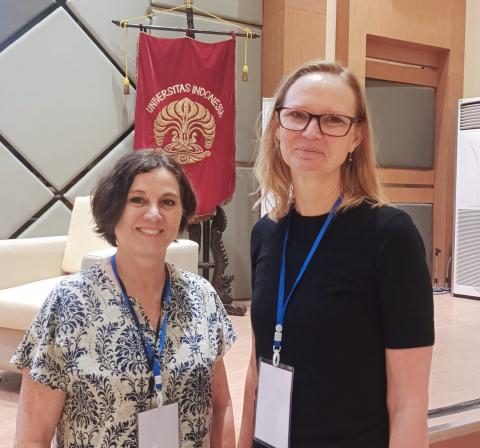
84 342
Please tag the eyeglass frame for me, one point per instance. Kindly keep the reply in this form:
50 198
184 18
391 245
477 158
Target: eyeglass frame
353 120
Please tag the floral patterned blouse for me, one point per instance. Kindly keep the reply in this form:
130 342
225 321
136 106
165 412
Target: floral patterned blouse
84 341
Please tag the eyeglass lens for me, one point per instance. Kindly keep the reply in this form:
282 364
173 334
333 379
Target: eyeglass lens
330 124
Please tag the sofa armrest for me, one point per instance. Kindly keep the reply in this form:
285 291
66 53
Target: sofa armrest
96 256
29 259
183 254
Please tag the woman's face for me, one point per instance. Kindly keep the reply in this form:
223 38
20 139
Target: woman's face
152 214
309 151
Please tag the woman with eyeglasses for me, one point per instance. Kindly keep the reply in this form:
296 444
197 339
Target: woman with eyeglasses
342 307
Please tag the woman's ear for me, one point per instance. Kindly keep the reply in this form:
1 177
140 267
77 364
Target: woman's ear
359 131
276 133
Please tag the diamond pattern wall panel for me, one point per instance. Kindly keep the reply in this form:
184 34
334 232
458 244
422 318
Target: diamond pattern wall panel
21 193
240 220
86 184
53 222
246 11
15 14
97 18
62 101
248 93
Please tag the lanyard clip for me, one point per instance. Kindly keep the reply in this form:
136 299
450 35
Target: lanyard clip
276 356
158 387
277 339
159 398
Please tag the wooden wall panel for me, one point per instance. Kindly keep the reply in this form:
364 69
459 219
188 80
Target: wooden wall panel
427 33
406 177
273 47
449 91
435 30
304 46
294 31
397 50
409 195
427 22
401 73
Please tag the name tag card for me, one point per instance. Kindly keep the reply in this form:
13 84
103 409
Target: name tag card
273 405
158 427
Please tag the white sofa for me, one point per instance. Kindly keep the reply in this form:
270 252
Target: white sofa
30 268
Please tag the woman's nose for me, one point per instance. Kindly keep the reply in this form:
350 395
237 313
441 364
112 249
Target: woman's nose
313 129
153 212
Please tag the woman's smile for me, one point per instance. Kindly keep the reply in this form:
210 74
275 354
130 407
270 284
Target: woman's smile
148 231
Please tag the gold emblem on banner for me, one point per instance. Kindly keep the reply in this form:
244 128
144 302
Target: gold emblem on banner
186 121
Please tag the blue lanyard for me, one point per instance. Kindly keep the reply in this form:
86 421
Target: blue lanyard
149 353
282 303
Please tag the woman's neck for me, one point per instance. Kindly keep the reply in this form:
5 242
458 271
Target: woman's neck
315 196
143 277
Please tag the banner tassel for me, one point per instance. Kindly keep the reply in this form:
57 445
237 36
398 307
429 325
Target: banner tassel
126 81
126 86
248 32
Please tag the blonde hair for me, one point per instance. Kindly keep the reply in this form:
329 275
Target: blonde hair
358 178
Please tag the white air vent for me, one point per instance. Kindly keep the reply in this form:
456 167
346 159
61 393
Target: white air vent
468 248
466 253
470 116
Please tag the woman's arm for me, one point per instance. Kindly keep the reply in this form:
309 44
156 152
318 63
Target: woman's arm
408 372
223 430
246 430
38 413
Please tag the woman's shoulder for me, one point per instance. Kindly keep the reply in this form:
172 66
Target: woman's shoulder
264 229
391 220
378 217
79 288
263 225
191 291
95 275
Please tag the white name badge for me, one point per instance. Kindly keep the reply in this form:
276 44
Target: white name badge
158 427
274 399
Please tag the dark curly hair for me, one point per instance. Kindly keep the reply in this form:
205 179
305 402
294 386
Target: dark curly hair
110 194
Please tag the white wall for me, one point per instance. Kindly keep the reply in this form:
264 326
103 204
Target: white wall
471 85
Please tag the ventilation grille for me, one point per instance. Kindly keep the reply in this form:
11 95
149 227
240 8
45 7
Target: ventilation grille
467 248
470 116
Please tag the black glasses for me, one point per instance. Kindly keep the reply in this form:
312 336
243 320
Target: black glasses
334 125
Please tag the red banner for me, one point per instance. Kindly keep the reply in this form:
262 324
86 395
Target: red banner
186 107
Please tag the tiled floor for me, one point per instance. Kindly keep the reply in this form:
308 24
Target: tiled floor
9 390
454 376
236 362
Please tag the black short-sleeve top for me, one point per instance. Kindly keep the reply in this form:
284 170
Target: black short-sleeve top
366 289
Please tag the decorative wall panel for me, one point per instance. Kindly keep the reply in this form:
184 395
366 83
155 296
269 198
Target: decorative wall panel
86 184
53 222
97 18
64 96
15 14
21 193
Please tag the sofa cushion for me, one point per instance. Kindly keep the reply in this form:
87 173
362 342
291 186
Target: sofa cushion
20 304
82 238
